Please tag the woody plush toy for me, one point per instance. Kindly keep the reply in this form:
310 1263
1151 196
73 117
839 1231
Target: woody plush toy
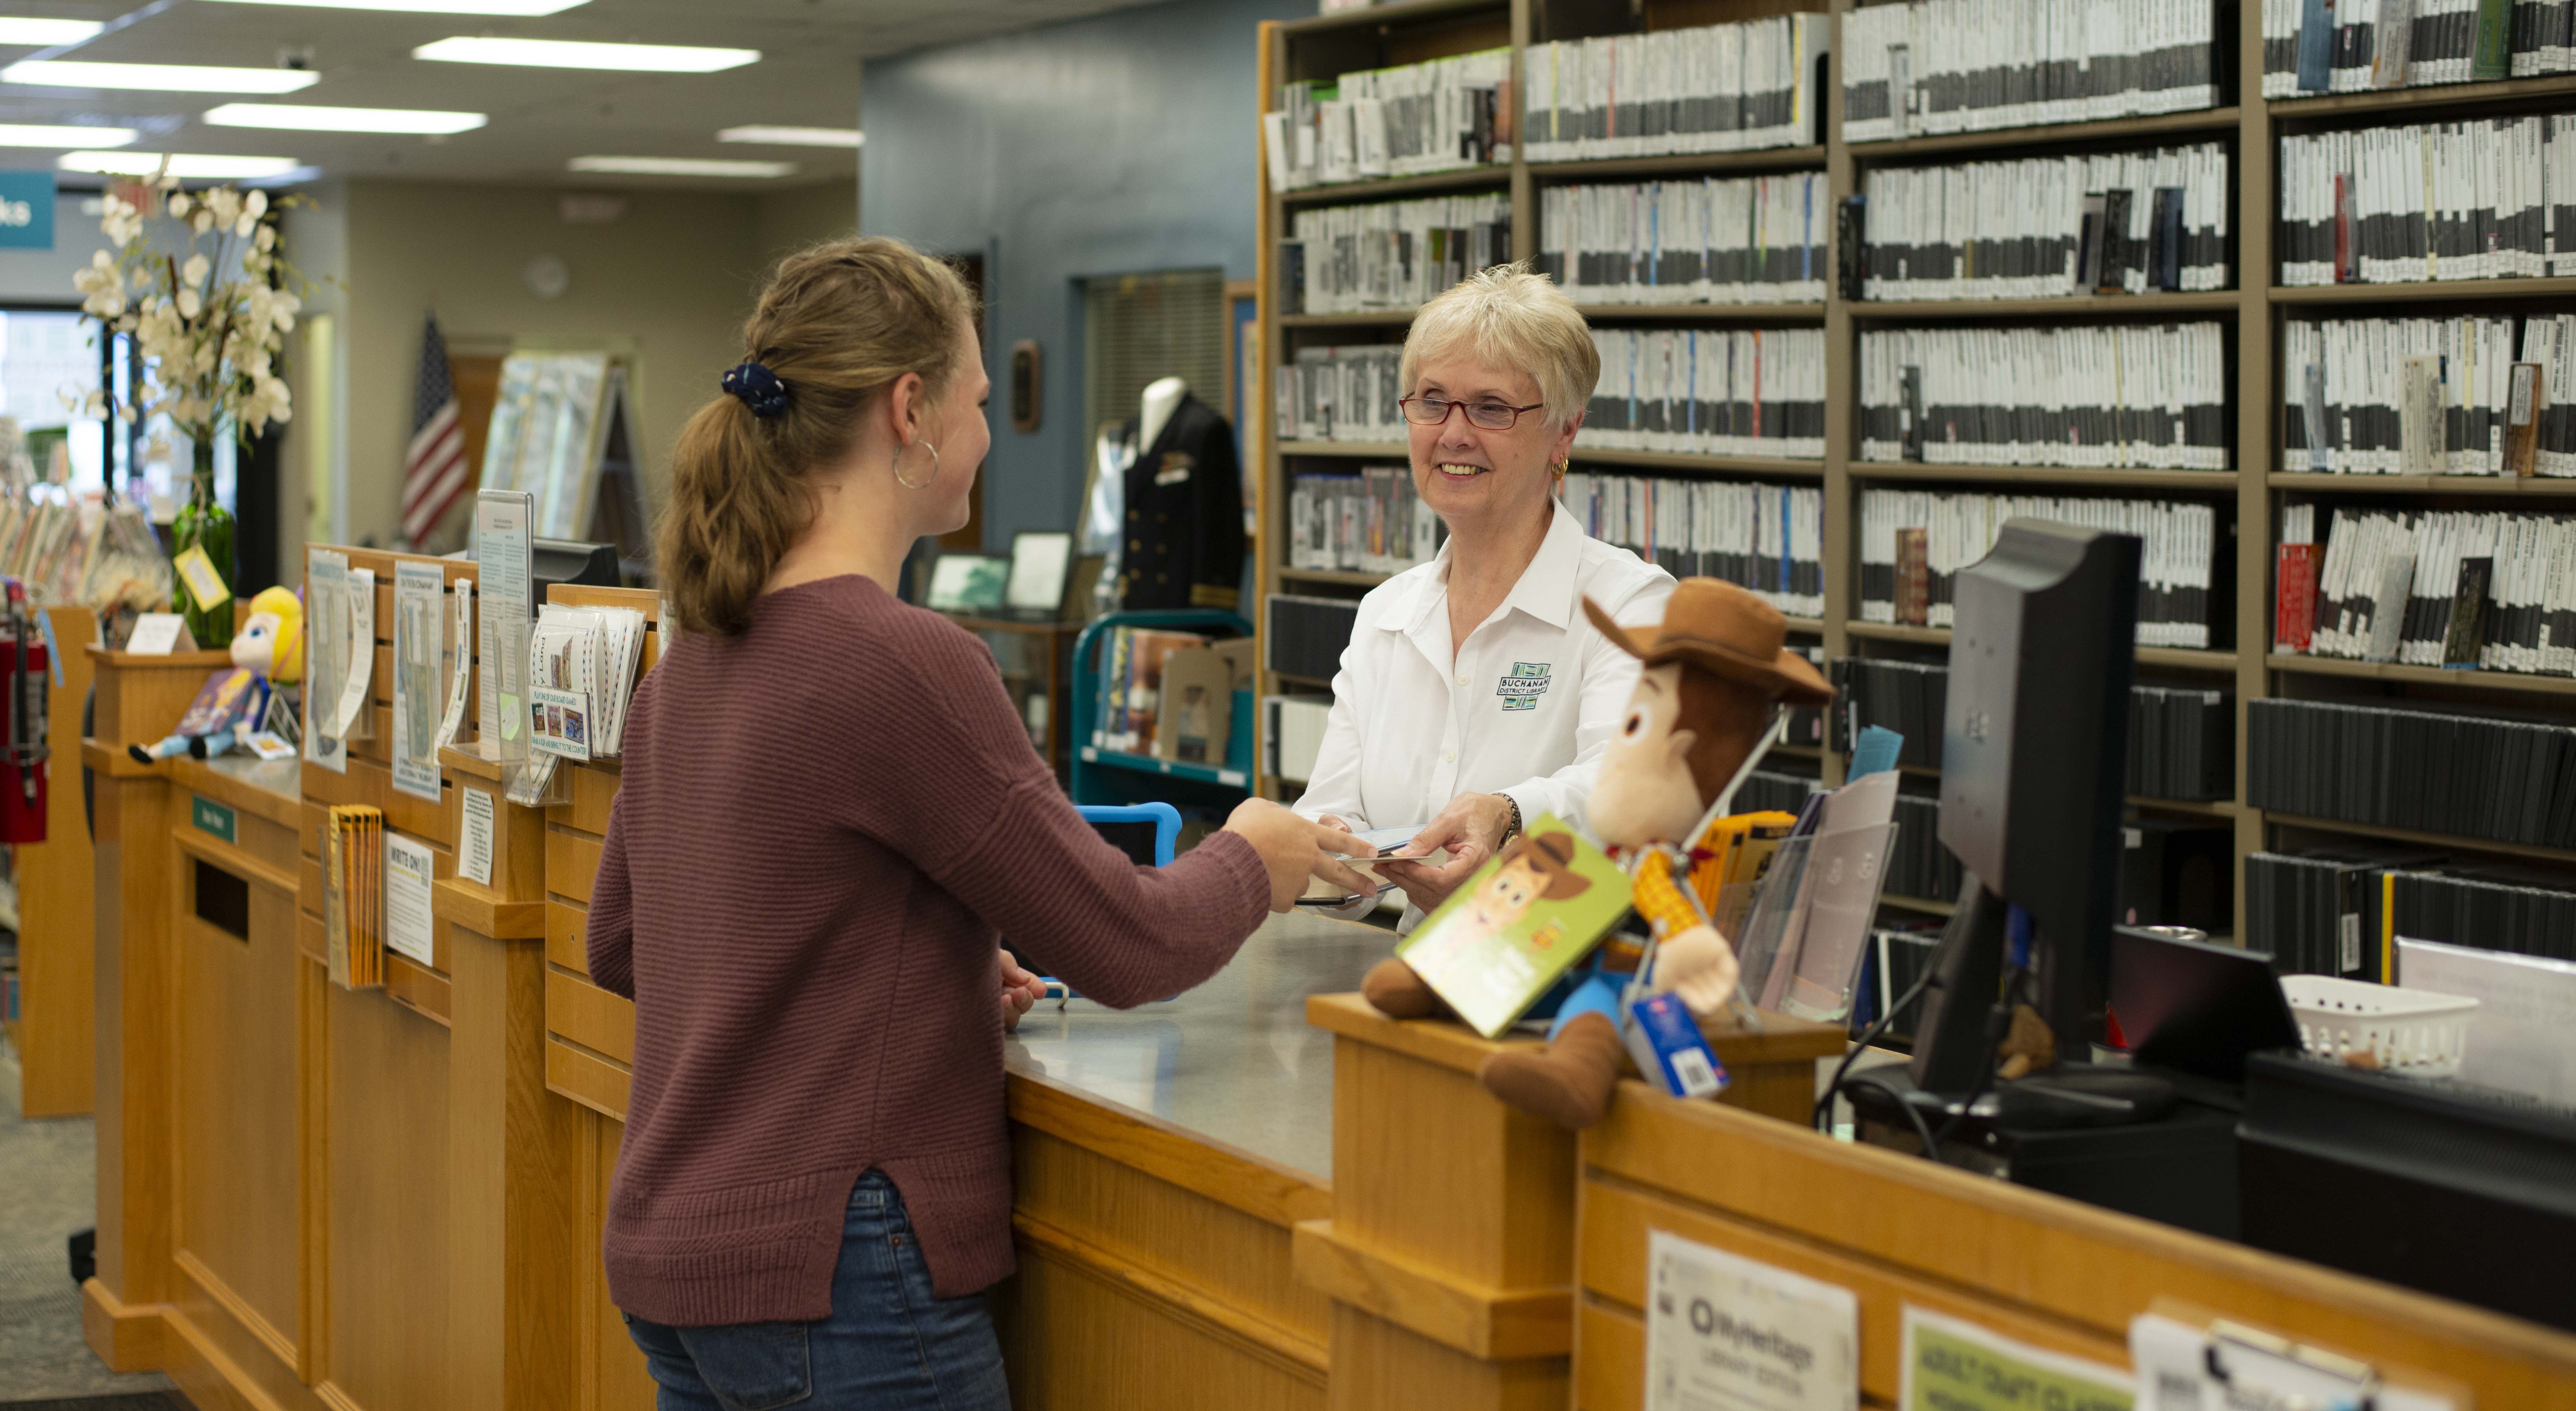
1714 672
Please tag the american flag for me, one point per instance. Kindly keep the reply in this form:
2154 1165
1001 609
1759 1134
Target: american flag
434 471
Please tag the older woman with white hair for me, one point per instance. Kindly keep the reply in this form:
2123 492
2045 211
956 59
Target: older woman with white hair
1475 695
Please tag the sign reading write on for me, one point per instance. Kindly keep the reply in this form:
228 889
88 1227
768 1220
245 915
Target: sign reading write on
1727 1332
27 210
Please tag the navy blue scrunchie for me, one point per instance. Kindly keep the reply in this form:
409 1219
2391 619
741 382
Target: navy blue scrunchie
759 389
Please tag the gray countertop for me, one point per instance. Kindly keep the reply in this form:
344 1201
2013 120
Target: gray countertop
282 777
1233 1060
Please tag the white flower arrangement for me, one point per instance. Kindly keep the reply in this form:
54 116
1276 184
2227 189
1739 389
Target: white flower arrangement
208 321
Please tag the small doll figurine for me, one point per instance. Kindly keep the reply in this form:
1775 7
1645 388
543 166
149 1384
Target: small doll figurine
267 652
1715 671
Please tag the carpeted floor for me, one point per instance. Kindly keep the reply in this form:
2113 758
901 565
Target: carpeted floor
48 1171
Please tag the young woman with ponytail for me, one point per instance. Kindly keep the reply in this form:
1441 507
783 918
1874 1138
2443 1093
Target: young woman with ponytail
829 812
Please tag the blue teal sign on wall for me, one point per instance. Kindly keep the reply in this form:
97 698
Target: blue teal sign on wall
26 210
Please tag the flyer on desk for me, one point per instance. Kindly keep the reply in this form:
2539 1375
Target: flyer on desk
1522 920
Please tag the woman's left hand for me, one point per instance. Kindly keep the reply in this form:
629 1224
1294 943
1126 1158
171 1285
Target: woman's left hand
1471 828
1021 989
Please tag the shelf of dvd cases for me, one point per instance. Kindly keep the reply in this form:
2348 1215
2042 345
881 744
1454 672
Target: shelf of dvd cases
1678 461
2448 841
2068 476
1679 164
2316 482
2185 658
1390 14
1811 312
1356 450
2090 305
2198 808
2465 677
1902 149
1394 187
1651 460
1364 318
2423 291
2440 95
1347 577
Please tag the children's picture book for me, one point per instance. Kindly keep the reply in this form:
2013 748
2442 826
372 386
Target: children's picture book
1518 924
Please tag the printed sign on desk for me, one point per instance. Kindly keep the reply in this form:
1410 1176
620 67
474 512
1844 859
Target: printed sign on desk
1725 1333
26 210
1952 1365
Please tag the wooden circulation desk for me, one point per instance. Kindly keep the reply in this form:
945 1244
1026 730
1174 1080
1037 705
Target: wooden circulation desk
2041 1269
1240 1197
314 1197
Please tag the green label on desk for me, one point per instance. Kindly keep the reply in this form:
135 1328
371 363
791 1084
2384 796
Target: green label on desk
1952 1365
210 817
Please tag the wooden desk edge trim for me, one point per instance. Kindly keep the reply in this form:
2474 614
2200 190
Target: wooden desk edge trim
1285 1348
1602 1154
1453 1045
1490 1324
484 912
216 853
1261 1188
1444 1042
285 810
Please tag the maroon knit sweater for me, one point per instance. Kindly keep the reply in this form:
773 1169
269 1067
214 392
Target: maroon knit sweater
824 826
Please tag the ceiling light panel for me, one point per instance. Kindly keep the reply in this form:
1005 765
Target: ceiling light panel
31 135
794 136
23 29
185 164
522 8
574 54
303 117
682 166
171 78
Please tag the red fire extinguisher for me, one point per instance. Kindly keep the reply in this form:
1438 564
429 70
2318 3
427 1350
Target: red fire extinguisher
22 798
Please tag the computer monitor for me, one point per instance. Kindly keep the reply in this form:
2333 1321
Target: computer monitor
2034 748
552 561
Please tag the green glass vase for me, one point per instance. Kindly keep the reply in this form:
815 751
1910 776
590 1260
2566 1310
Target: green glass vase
204 524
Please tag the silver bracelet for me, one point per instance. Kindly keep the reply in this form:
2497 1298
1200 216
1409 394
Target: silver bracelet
1514 827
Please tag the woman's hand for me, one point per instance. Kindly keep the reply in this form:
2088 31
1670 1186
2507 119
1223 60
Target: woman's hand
1021 990
1471 828
1293 849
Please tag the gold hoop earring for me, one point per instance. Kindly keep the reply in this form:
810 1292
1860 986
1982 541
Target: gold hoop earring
898 466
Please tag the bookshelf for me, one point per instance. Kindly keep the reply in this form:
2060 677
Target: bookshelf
2248 499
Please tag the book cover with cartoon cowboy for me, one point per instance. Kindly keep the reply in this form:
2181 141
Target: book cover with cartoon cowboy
1526 917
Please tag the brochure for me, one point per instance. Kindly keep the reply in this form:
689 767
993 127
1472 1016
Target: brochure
1521 921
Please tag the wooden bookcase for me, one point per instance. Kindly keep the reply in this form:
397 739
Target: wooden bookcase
2250 496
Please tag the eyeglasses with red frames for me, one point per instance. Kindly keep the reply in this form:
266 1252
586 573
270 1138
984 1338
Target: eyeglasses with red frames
1492 416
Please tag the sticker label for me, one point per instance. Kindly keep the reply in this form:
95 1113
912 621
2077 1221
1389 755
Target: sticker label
210 817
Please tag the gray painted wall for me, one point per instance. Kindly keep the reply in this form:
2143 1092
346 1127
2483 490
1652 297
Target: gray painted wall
1110 145
45 276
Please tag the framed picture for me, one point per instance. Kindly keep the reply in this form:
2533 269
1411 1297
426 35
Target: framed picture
1040 563
968 582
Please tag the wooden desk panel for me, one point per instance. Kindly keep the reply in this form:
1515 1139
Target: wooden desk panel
2053 1271
386 1258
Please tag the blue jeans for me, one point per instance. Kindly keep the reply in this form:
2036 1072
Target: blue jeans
890 1344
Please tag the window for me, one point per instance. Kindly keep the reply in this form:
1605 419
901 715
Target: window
1140 327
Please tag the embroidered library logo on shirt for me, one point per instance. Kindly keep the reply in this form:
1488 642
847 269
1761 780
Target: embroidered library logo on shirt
1521 689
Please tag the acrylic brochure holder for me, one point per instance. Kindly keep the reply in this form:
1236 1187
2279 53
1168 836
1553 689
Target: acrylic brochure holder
1806 923
532 778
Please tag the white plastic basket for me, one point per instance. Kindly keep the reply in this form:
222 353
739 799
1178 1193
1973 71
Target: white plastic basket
2415 1033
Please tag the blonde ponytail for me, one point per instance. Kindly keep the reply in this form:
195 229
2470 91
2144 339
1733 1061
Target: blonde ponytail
838 324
